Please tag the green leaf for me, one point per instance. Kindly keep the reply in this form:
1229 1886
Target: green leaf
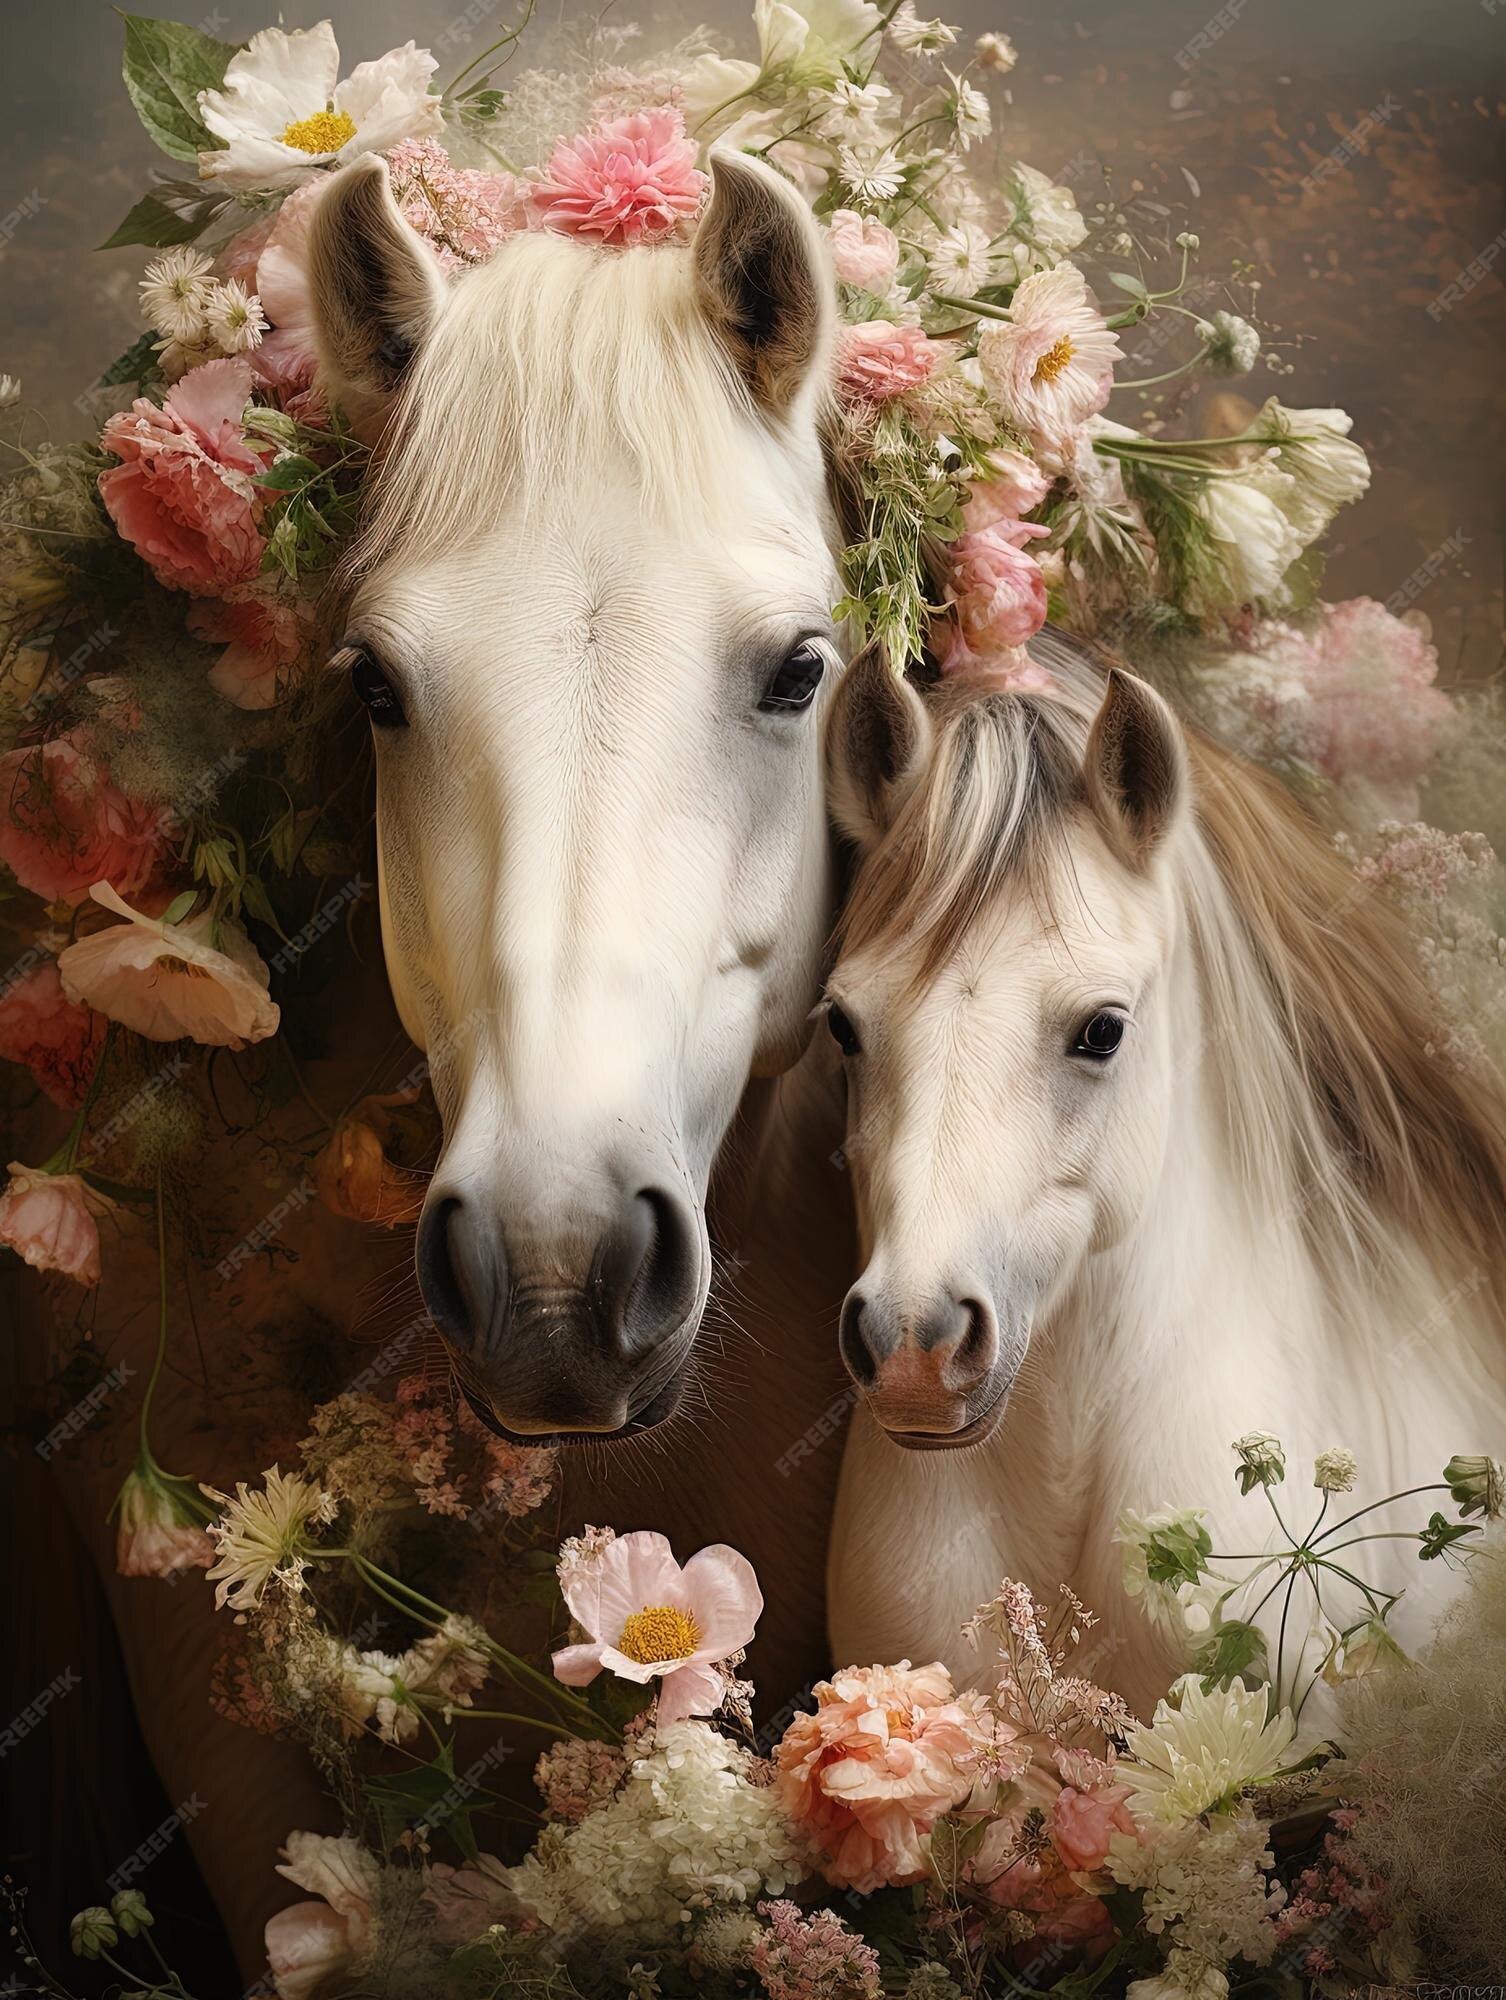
175 212
430 1793
166 66
179 907
1127 282
1176 1553
137 364
289 473
1233 1649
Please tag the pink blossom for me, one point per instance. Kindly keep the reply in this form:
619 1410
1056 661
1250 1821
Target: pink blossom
463 212
63 823
265 624
886 1753
631 180
308 1943
998 596
576 1777
864 251
813 1958
186 497
56 1040
1051 364
152 1535
1083 1823
1015 486
877 360
52 1221
646 1618
288 356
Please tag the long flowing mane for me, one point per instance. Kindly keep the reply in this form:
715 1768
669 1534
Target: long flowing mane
1342 1108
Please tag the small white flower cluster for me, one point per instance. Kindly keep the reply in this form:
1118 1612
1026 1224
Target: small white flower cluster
199 316
688 1829
1207 1893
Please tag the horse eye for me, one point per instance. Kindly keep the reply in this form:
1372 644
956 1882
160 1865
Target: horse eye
376 693
843 1033
795 684
1099 1036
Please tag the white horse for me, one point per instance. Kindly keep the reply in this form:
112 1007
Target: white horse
1151 1148
591 621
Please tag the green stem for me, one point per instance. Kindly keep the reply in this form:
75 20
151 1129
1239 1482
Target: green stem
161 1354
1359 1514
1150 381
974 308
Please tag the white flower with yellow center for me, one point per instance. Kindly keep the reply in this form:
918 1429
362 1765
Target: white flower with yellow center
236 319
962 259
175 294
263 1537
283 111
1200 1755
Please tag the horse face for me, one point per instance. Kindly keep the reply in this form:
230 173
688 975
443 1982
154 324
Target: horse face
596 709
1008 1107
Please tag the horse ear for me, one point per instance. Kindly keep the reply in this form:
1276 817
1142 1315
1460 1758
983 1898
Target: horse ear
877 740
763 280
377 287
1136 769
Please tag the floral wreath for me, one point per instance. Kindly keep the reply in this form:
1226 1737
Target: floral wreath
162 828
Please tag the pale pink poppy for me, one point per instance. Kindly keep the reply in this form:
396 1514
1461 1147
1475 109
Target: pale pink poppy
265 624
64 823
167 980
1051 364
288 356
864 251
646 1618
997 594
877 360
1015 485
52 1221
887 1752
308 1943
42 1029
631 180
186 496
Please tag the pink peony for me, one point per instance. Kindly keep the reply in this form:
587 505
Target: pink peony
308 1943
56 1040
52 1221
167 980
186 497
266 625
647 1619
1015 486
864 251
998 597
1084 1822
63 824
1379 718
631 180
878 359
886 1753
288 356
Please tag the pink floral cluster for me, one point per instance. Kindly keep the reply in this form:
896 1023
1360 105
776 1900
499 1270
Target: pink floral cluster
514 1479
995 586
633 179
574 1777
813 1957
1333 1903
464 213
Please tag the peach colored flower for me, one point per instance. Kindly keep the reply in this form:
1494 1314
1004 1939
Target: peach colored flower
354 1177
886 1753
166 980
42 1029
997 594
1083 1823
52 1221
64 824
308 1943
186 497
155 1534
266 625
864 251
1051 365
631 180
1015 486
647 1619
877 360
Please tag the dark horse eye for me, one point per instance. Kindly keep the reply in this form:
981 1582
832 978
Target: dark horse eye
843 1033
795 684
1099 1037
376 693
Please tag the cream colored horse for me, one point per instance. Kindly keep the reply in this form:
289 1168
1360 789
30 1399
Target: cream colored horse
1151 1147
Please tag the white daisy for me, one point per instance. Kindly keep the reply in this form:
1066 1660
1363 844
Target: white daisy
1050 365
283 111
874 179
1200 1756
236 318
908 32
852 110
263 1537
971 115
962 259
175 294
10 390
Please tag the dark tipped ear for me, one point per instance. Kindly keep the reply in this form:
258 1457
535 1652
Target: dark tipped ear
878 737
376 285
763 280
1135 769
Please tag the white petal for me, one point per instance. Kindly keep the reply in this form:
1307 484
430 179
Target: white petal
277 79
404 72
250 161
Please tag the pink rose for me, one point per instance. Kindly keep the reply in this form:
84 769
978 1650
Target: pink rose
886 1753
878 359
997 593
266 624
864 251
63 824
57 1040
1016 486
186 497
51 1221
631 180
1083 1823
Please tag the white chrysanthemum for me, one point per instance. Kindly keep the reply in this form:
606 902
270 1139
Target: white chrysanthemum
972 116
851 110
688 1829
1256 540
995 52
10 390
908 32
1050 365
1328 471
1198 1756
1207 1894
1231 346
283 111
1335 1471
175 294
872 178
235 317
263 1536
962 259
1049 215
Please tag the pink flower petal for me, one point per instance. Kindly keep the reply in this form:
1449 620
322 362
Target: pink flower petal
725 1599
691 1690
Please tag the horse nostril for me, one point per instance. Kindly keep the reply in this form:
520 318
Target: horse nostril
458 1271
858 1356
977 1348
653 1266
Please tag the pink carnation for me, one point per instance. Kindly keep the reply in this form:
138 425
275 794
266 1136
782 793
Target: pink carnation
864 251
878 359
186 497
1015 486
64 824
51 1221
887 1752
998 596
58 1041
631 180
266 626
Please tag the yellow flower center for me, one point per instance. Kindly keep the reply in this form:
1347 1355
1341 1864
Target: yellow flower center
325 132
1053 361
659 1632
